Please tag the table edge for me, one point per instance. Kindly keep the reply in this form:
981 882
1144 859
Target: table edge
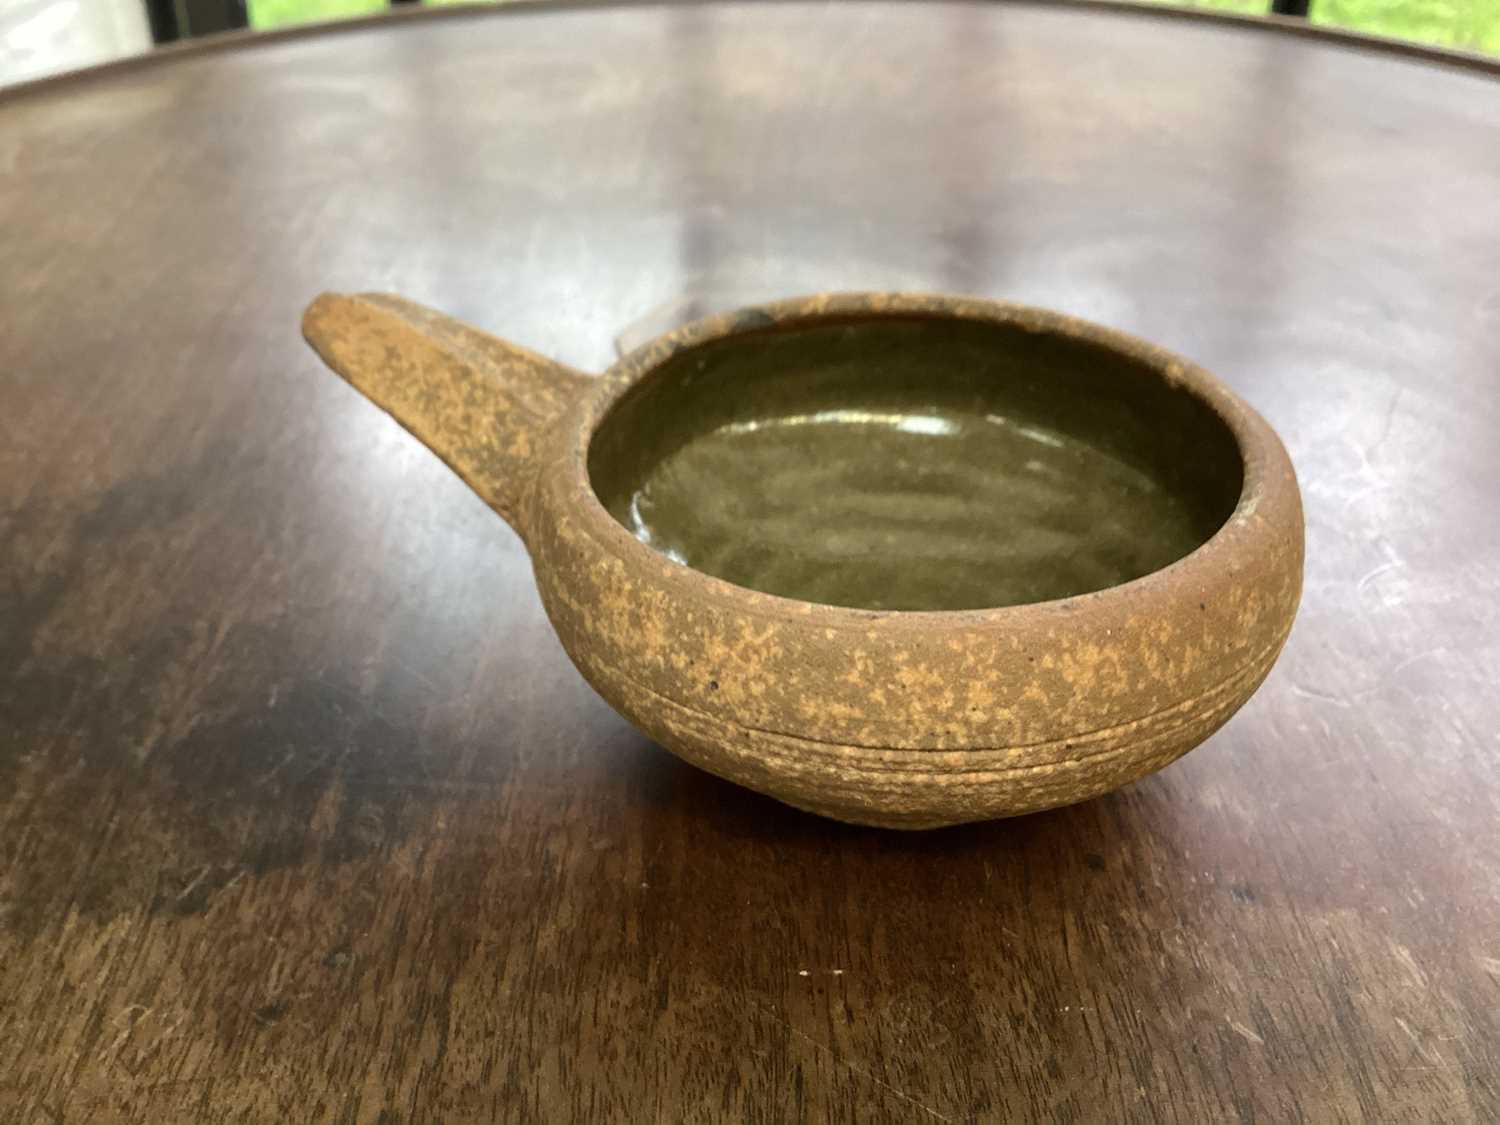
226 41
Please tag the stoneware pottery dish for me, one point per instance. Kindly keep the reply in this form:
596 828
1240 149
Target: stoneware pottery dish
900 560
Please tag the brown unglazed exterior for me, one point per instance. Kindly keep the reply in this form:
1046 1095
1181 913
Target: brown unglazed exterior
896 719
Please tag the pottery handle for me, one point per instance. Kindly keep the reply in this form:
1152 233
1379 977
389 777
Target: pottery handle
479 403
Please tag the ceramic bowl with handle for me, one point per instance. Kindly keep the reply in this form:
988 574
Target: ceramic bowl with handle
902 560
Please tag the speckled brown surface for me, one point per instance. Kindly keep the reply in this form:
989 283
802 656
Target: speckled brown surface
899 719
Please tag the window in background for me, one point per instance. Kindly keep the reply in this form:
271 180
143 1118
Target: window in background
280 13
41 37
1471 25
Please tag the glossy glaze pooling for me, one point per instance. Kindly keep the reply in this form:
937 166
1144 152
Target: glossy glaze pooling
915 464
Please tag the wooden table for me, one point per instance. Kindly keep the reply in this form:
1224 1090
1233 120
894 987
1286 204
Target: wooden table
304 815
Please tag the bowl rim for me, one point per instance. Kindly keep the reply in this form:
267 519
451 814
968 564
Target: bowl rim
1267 483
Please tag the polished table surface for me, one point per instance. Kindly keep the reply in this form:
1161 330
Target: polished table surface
304 814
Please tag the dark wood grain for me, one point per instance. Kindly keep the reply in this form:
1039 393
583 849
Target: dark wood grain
304 815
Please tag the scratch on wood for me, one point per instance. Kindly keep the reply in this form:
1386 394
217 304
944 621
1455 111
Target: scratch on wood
1390 417
1417 1043
847 1065
1241 1029
193 886
1375 572
119 1040
1419 978
1320 696
171 1029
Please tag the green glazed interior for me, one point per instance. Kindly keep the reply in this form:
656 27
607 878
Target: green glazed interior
914 463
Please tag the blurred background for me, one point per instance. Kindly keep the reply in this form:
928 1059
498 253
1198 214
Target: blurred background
41 37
